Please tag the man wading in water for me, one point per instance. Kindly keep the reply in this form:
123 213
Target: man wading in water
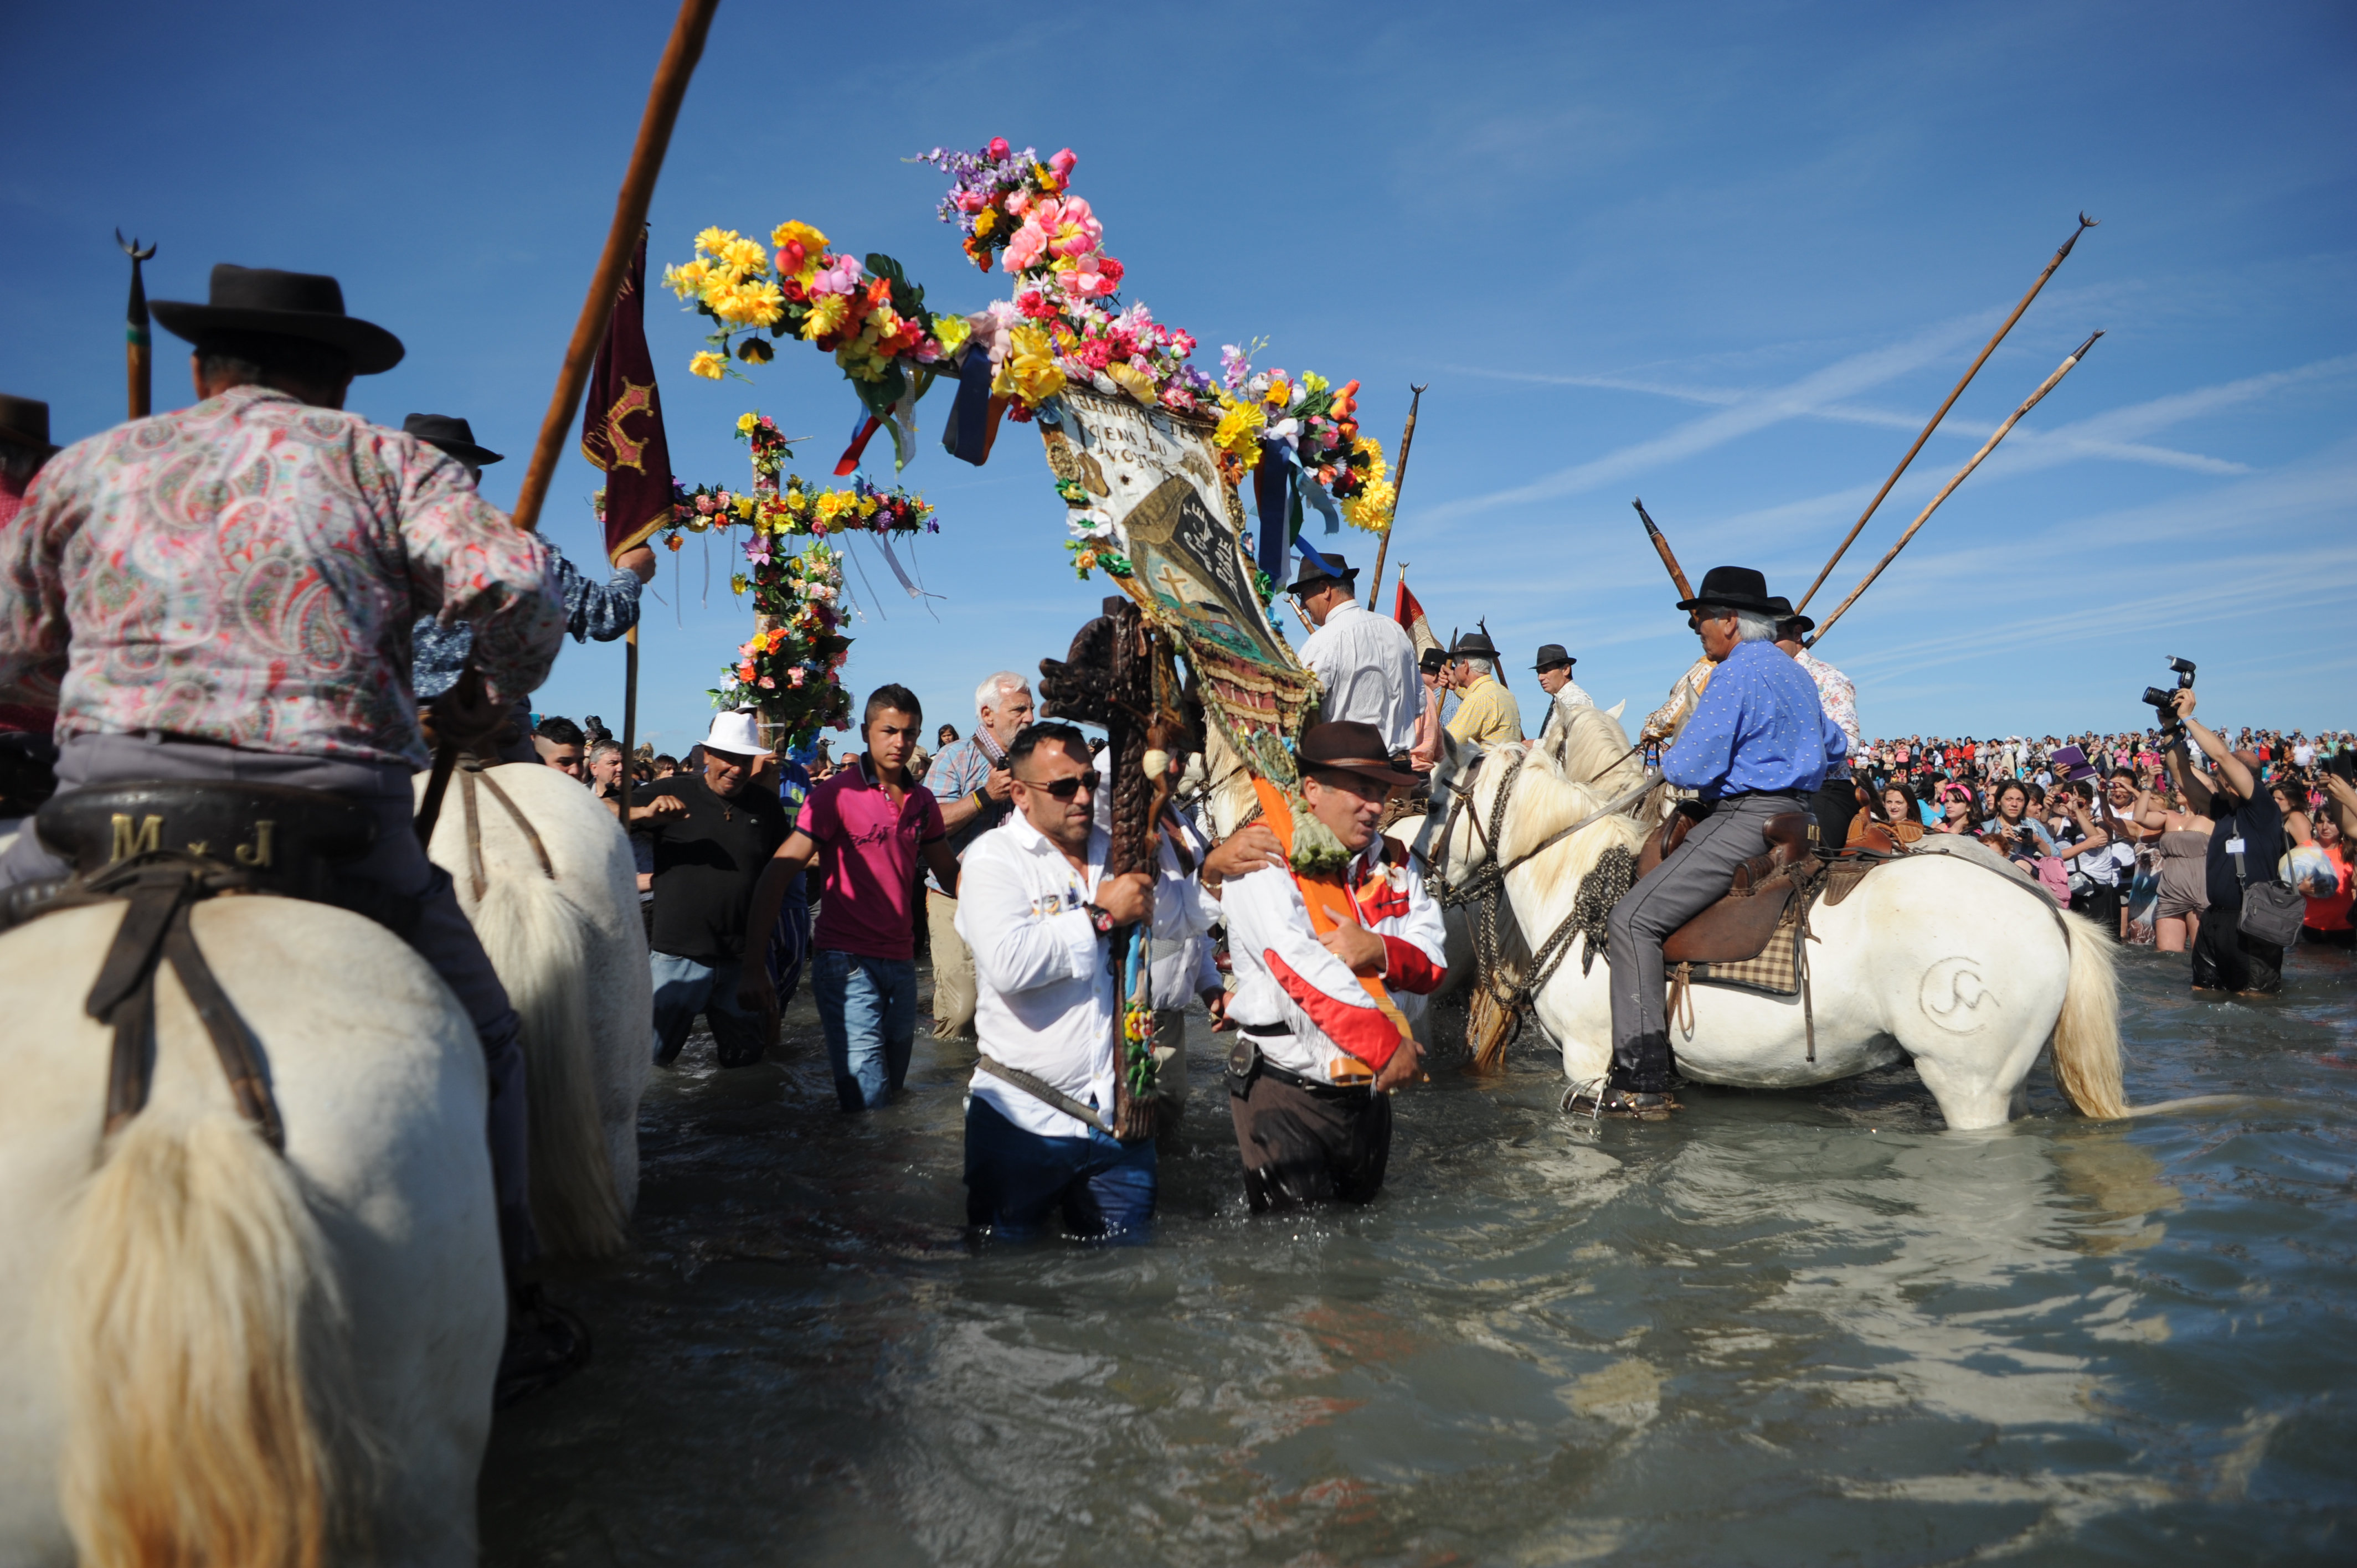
1327 968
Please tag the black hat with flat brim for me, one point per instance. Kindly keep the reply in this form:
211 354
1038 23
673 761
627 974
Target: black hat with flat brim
1336 570
1734 589
453 435
1431 660
305 306
1351 745
1552 654
1474 643
26 422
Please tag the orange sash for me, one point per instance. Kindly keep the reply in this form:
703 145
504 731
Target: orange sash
1329 905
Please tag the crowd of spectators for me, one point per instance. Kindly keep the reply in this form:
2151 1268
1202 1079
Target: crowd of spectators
2119 824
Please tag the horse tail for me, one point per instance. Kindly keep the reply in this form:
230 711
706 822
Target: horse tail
2087 1032
205 1363
536 939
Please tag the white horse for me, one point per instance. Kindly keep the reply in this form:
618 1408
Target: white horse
557 909
210 1354
1966 970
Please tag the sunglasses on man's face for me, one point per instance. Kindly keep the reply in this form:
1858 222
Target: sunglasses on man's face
1065 789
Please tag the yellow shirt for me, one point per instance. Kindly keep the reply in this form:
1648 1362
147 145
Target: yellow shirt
1486 714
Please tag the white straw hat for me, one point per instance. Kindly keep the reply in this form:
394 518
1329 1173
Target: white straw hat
738 732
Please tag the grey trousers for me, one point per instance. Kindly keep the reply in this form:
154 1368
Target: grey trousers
1690 881
442 937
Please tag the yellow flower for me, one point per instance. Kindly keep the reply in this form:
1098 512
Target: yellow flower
984 222
1371 508
1279 395
827 313
747 423
1030 372
1312 383
794 500
951 331
1377 470
743 508
831 505
1133 381
747 256
752 305
716 241
813 243
685 280
867 506
707 364
1239 431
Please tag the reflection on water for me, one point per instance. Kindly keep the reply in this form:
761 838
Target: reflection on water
1786 1328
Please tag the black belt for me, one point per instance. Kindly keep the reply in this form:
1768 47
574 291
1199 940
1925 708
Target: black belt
1239 1078
1795 794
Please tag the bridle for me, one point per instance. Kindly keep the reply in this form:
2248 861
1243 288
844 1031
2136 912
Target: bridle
1487 885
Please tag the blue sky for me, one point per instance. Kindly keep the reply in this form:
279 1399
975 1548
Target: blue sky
1727 257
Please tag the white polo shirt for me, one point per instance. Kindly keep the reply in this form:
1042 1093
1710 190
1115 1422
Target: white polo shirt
1367 665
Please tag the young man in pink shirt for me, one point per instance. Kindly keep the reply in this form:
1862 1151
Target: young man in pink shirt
876 821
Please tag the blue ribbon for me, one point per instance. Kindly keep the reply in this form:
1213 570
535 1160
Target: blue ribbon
967 435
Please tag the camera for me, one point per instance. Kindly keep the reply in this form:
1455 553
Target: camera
2163 699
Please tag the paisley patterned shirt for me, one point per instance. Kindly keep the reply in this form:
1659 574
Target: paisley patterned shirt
246 569
1839 692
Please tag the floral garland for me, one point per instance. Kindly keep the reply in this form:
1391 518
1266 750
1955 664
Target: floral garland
1063 326
791 669
871 318
1316 420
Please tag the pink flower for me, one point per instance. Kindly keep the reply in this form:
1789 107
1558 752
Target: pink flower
1072 229
1030 241
969 201
795 676
768 684
999 148
1018 201
1096 353
840 276
1060 166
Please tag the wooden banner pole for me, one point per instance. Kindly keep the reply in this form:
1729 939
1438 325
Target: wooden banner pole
1399 481
687 34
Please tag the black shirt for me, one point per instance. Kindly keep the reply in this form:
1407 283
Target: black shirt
2259 825
706 863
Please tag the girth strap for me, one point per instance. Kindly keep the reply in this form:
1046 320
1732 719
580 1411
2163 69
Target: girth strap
475 870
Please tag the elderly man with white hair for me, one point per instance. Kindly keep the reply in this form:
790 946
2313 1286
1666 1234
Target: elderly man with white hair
974 788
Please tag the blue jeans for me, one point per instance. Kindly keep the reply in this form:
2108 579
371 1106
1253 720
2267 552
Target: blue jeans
1014 1179
685 988
868 1008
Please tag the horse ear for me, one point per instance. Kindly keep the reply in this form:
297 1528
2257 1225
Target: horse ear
1615 710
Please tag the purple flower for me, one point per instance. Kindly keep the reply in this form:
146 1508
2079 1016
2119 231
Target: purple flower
757 550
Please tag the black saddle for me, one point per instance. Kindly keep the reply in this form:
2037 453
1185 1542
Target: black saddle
268 838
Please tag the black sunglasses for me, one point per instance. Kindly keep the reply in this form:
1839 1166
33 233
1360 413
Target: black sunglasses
1065 789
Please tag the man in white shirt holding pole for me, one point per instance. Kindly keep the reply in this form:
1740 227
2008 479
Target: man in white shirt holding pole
1365 662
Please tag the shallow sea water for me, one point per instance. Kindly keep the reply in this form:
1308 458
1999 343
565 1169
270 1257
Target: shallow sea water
1798 1327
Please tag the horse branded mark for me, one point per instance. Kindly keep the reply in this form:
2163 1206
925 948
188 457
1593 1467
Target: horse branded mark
1951 997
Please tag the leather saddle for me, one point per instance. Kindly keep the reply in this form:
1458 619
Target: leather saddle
1739 925
277 838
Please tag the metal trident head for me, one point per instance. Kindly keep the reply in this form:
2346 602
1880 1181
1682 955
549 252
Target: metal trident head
131 247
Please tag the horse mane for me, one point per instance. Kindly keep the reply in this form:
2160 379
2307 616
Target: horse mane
1546 802
1587 746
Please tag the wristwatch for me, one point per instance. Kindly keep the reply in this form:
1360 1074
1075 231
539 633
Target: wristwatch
1101 918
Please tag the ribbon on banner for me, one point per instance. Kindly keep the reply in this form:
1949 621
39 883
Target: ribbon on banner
863 430
885 539
1272 495
972 427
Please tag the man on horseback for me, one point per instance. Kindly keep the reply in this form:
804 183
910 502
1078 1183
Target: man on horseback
231 588
1758 745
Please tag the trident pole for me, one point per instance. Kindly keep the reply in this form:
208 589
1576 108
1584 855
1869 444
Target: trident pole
138 351
1407 439
2085 223
2048 385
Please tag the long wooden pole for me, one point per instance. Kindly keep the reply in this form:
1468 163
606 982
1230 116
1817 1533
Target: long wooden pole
1399 481
2085 223
2048 385
687 34
1662 548
630 719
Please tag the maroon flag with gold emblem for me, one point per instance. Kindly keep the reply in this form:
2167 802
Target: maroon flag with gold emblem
621 420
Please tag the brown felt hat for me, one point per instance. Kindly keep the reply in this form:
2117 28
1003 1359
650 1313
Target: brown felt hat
1348 745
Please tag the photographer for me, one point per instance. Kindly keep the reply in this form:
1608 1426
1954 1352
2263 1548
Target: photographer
2244 844
2087 845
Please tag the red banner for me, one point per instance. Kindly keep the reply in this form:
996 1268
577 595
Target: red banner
621 420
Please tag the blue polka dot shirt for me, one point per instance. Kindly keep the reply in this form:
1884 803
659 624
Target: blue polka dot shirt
1759 726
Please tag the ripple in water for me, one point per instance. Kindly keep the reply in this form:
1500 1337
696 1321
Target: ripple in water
1792 1327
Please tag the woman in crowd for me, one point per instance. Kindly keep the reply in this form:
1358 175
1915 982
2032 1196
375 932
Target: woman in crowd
1898 805
1954 805
2327 923
2184 846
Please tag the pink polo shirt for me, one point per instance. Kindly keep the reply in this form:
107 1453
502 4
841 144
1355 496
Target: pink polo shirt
869 906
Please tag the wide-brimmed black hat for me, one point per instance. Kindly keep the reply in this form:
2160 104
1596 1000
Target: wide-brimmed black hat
1430 660
1350 746
452 435
1789 619
1336 569
1476 642
1552 654
1734 587
26 422
308 305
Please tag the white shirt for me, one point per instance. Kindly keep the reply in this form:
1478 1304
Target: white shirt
1567 695
1183 967
1368 667
1043 989
1286 979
